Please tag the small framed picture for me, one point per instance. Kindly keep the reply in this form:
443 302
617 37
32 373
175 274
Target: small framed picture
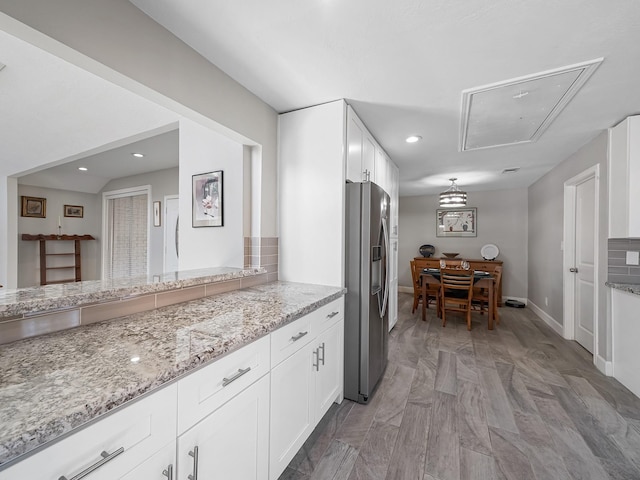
76 211
34 207
156 214
207 197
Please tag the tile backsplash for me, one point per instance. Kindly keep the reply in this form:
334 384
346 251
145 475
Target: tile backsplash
262 252
619 271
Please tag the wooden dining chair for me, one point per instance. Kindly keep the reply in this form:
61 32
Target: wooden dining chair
480 297
432 292
456 291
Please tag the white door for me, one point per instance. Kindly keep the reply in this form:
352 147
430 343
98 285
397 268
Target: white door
171 233
125 232
584 263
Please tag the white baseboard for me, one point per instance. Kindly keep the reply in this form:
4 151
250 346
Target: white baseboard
402 289
548 319
603 365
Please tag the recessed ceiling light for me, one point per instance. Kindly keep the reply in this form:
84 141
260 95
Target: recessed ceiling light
413 139
83 169
511 170
138 155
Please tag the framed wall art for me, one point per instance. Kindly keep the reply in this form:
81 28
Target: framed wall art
207 193
457 222
35 207
76 211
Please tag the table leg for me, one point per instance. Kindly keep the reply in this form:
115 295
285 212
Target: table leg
491 305
424 300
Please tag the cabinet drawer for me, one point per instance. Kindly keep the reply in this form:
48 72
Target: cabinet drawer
290 338
327 315
140 429
202 392
154 467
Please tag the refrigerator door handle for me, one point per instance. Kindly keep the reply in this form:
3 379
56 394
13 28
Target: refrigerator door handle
385 280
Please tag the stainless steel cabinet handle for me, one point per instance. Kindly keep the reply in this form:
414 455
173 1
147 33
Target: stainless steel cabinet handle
332 314
194 453
168 472
226 381
106 457
573 270
316 363
297 337
321 359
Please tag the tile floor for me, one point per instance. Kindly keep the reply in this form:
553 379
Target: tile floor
516 403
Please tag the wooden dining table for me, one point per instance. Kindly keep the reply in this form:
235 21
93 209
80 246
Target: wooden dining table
486 281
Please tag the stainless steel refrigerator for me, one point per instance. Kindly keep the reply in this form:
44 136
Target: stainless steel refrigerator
366 317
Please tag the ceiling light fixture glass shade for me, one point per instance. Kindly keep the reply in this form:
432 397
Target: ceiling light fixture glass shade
453 196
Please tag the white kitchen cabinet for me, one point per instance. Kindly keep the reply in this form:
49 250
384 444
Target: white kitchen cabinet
393 283
328 367
624 178
320 148
626 332
137 431
161 466
381 176
292 415
306 383
394 175
361 150
232 442
204 390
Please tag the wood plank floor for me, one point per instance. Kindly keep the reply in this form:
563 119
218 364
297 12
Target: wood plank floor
515 403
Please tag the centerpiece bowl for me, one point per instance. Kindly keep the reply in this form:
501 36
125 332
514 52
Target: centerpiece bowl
450 254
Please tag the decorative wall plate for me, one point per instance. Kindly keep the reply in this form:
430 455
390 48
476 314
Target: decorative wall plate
489 251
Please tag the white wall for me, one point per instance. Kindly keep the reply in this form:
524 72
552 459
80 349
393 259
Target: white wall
120 43
502 220
163 68
163 182
8 231
28 251
203 150
546 205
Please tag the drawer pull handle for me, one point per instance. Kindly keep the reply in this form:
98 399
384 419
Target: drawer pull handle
297 337
321 359
168 472
332 314
194 453
226 381
106 457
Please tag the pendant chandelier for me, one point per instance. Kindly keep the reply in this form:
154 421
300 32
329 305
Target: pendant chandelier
453 196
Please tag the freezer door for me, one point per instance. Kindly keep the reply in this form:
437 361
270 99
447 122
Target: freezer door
375 342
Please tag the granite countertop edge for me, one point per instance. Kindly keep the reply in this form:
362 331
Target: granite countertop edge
40 299
13 450
625 287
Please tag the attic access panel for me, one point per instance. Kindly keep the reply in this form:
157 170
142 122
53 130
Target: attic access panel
519 110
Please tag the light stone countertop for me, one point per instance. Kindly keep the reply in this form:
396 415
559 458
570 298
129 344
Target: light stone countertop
54 383
52 297
626 287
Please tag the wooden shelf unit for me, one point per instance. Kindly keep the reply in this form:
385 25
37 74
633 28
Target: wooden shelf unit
76 254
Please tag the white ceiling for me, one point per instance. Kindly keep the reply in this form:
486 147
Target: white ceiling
403 65
54 112
160 152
